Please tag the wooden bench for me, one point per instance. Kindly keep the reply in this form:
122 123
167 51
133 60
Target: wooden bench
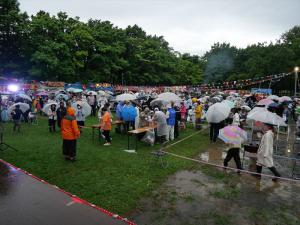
136 132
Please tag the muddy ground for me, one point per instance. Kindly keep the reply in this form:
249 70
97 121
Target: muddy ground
206 195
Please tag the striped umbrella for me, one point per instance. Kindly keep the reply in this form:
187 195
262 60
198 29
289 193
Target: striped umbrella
233 135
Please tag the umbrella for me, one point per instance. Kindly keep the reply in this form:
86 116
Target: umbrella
273 105
125 97
74 90
62 96
109 92
48 106
42 93
264 116
217 112
169 96
229 103
24 97
273 97
285 99
246 107
92 93
86 108
265 102
159 102
233 135
23 106
102 93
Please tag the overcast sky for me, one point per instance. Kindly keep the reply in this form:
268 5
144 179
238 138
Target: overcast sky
188 25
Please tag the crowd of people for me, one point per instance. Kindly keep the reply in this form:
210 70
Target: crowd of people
67 112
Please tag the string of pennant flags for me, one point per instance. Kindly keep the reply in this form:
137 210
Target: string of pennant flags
245 83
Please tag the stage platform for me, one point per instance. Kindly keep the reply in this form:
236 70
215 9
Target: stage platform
27 200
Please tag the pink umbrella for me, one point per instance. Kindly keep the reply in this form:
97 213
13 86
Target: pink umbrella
233 135
265 102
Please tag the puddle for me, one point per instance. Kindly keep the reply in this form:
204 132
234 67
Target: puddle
211 196
189 197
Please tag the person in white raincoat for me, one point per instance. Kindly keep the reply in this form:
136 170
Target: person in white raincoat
265 151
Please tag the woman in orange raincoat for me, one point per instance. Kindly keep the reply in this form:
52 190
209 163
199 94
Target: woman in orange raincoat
70 133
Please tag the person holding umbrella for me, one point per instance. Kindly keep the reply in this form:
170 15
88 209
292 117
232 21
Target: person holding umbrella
52 115
265 151
70 133
61 112
16 116
234 136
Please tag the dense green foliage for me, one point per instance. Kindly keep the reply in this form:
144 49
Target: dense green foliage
46 47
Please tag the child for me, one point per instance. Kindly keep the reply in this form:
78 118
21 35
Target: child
80 117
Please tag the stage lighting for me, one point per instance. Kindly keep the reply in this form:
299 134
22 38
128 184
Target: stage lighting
13 87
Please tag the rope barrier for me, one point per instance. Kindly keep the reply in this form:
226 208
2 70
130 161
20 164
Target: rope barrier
220 166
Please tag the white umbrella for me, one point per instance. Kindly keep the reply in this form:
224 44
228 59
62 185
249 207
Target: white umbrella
24 97
92 93
48 106
246 107
102 93
273 97
125 97
229 103
285 99
265 116
23 106
217 112
86 108
159 102
61 96
169 96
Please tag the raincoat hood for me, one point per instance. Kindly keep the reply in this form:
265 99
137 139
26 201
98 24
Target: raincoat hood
70 111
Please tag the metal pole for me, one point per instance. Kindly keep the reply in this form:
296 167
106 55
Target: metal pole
296 79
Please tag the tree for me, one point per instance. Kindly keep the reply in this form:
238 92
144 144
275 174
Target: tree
13 38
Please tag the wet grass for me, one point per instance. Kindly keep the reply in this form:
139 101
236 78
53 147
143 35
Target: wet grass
215 218
229 193
105 176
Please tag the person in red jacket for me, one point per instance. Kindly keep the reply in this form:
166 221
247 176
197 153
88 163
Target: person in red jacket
70 133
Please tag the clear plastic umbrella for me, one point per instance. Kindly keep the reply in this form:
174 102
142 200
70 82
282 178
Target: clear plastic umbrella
229 103
23 106
169 96
265 102
125 97
285 99
48 106
273 97
86 108
24 96
265 116
159 102
61 96
217 112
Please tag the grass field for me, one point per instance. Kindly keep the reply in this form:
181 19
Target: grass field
104 175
